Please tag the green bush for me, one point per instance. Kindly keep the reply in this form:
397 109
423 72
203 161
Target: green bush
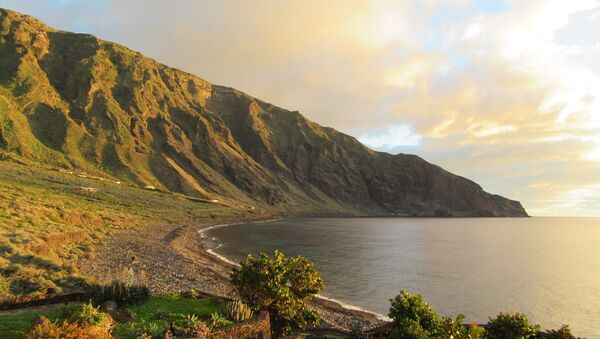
562 333
412 317
195 328
217 321
65 329
119 292
87 315
455 328
81 321
511 325
282 286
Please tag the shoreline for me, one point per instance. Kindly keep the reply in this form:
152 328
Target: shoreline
173 258
223 258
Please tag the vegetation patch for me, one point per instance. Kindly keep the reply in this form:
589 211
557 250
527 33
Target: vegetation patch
152 318
155 316
283 286
414 319
47 224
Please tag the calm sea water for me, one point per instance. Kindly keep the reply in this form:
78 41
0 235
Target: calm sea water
548 268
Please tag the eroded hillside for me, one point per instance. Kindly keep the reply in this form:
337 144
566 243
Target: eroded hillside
74 101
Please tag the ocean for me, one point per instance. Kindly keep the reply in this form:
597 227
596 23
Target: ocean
547 268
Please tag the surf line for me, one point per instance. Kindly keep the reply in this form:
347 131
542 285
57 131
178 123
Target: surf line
231 262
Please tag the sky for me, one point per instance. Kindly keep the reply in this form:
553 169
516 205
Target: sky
506 93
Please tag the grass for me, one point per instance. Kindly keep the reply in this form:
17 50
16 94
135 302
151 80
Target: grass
155 313
48 222
17 325
159 311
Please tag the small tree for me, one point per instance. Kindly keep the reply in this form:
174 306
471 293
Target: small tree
511 325
412 317
282 286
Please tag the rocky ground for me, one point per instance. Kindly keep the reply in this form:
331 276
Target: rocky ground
172 258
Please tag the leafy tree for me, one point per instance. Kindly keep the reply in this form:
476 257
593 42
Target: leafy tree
282 286
511 325
412 317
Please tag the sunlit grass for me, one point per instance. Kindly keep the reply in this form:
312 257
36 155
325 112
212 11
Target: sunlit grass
48 222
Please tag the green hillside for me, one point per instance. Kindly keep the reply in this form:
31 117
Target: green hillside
76 102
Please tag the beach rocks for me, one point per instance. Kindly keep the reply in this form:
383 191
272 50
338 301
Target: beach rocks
174 260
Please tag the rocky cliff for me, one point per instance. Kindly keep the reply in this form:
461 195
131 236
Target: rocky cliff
75 101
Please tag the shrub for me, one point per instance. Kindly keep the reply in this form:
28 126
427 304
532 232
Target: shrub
473 332
87 315
236 311
511 325
194 328
82 322
412 317
454 328
562 333
282 286
217 320
50 330
119 292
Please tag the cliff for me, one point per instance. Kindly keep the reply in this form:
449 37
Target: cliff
75 101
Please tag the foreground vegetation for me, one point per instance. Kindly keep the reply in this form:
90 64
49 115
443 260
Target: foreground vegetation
154 318
49 219
414 319
282 286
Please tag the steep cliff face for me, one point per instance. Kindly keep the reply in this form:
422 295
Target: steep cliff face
75 101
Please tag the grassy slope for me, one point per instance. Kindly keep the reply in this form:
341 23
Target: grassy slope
47 222
169 307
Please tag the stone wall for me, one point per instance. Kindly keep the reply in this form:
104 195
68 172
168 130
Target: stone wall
257 328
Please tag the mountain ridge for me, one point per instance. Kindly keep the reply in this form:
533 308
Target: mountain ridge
78 102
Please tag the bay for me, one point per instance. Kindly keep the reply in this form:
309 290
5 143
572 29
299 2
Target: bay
547 268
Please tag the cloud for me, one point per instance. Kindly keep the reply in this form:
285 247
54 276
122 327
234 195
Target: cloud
506 93
391 136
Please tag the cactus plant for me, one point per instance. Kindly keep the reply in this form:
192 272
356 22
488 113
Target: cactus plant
236 311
